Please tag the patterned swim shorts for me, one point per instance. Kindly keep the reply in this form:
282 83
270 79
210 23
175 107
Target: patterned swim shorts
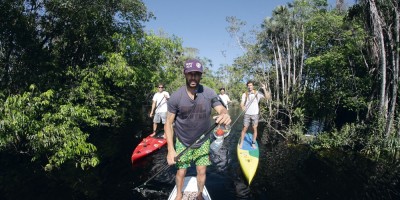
199 156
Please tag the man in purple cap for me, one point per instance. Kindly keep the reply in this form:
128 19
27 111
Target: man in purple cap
190 109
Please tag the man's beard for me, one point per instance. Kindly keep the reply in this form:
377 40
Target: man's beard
188 83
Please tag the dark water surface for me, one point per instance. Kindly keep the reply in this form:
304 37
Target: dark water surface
224 176
285 172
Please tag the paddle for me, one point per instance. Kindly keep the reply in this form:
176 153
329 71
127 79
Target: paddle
166 166
156 109
159 103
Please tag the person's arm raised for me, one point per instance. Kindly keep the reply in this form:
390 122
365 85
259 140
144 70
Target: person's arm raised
267 94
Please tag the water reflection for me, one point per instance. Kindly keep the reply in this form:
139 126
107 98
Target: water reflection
160 186
284 172
316 126
220 158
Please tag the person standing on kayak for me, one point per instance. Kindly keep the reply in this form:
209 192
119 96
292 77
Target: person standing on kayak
159 106
189 108
249 103
224 97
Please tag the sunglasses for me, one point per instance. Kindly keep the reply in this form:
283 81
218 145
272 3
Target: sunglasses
160 87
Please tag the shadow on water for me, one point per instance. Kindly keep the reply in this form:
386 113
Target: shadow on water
284 172
290 172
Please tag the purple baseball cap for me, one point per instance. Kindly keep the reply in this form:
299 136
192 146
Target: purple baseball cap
193 65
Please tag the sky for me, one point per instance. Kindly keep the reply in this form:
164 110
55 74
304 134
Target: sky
201 24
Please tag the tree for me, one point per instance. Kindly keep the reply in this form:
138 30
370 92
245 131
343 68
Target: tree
41 39
382 21
89 67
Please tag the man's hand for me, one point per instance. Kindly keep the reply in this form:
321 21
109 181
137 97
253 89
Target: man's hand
267 94
223 119
171 157
264 86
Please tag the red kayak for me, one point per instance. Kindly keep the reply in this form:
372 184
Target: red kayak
148 145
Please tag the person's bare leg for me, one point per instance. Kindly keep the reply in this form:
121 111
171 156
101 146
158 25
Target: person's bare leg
154 129
164 135
180 177
242 135
201 180
254 136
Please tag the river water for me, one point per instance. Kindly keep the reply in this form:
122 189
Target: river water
224 176
284 172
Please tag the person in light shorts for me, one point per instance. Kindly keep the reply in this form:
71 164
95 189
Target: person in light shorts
160 118
159 106
250 119
249 104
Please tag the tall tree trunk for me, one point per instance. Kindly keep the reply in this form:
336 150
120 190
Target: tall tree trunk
340 5
277 77
289 63
281 69
302 55
378 32
394 44
294 60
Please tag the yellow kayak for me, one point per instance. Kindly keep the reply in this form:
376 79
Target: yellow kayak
248 157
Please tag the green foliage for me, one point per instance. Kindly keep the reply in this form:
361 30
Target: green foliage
231 78
54 126
296 127
367 139
343 139
337 75
154 58
338 84
377 145
33 125
45 37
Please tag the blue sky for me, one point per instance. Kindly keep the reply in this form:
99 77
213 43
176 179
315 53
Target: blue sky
201 24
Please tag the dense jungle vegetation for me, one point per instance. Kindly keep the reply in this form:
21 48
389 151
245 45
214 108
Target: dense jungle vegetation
71 68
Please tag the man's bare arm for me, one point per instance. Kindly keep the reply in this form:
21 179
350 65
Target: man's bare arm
170 135
153 105
223 116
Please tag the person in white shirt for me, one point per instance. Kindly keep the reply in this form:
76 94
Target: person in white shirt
159 107
224 97
250 100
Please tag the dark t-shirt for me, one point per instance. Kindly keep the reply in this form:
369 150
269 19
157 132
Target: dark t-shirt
192 116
